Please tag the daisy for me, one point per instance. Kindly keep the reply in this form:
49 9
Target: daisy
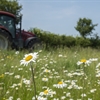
47 92
17 76
84 61
68 94
47 71
45 79
31 57
17 52
83 95
39 98
93 90
60 84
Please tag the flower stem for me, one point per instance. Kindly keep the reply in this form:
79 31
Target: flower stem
83 80
33 81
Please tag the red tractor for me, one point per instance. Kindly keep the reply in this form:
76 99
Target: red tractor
11 36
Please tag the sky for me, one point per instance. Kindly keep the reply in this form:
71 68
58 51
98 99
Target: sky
59 16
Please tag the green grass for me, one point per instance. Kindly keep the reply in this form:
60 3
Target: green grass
62 64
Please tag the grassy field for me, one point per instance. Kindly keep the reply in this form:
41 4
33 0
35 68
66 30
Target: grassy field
58 75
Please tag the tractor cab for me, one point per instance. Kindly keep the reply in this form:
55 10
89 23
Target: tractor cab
7 22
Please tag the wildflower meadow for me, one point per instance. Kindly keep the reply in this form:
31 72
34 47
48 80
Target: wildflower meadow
61 74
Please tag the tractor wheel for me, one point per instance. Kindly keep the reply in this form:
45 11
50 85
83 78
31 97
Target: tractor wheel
5 40
34 45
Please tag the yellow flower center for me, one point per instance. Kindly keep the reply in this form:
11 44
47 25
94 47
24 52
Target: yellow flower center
83 60
46 92
60 82
29 57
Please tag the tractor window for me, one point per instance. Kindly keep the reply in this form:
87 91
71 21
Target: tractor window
9 23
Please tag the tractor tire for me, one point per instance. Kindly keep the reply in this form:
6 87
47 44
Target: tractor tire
34 45
5 40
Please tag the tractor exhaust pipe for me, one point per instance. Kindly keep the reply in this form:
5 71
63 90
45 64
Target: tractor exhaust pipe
20 40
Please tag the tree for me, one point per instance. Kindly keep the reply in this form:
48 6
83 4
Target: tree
85 27
11 6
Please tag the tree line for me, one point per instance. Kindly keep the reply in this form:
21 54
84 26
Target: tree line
51 40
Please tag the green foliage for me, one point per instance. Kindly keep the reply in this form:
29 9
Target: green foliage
70 41
85 27
54 40
11 6
51 40
82 42
95 42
